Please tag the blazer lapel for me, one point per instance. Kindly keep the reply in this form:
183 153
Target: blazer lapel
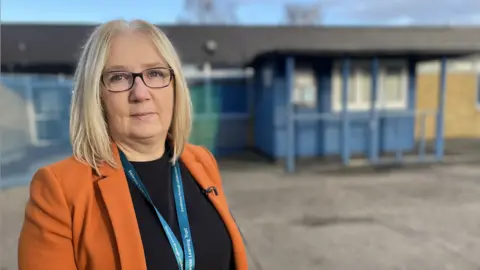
116 195
220 204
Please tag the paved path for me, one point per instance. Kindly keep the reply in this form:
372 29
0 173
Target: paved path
418 219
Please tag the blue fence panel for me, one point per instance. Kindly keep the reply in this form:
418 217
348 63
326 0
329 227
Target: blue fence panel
221 113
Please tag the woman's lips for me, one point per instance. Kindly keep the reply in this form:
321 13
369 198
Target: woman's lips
142 116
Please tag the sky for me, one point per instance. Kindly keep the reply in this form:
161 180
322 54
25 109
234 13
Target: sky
248 12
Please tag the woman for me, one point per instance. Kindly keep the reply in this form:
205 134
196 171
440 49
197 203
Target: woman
135 194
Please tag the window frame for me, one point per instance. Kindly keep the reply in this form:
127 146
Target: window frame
363 105
299 95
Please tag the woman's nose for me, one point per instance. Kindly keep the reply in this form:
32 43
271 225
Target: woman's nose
140 91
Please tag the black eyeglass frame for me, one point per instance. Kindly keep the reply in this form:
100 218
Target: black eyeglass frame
138 74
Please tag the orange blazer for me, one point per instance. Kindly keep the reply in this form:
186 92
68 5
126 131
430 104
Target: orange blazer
76 219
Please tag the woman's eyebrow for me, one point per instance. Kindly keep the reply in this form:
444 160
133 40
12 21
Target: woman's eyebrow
154 64
116 68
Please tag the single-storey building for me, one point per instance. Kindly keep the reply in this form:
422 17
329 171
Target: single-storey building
289 92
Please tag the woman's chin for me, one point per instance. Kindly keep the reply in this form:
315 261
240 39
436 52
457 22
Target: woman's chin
143 133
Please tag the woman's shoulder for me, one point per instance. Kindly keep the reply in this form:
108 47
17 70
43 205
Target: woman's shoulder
68 167
68 175
200 154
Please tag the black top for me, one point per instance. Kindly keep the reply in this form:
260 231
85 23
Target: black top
211 241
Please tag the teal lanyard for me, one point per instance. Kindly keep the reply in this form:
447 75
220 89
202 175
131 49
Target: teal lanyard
189 259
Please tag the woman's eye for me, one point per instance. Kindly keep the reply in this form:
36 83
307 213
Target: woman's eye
117 77
155 73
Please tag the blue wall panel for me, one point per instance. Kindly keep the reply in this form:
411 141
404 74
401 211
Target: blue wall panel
280 117
358 137
219 131
264 110
232 98
396 134
322 137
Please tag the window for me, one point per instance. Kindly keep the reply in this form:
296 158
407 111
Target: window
305 89
392 85
363 82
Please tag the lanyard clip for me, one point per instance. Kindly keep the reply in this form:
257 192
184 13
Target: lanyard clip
211 189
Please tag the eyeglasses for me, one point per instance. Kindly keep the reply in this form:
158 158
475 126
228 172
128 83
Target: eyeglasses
119 81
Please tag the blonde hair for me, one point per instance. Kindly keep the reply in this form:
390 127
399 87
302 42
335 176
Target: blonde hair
89 134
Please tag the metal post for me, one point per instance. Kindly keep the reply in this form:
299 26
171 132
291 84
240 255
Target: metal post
439 136
1 144
345 141
32 116
1 154
397 130
422 145
249 77
417 116
207 69
249 74
289 73
373 154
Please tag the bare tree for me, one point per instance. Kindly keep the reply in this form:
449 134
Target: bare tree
209 12
303 14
